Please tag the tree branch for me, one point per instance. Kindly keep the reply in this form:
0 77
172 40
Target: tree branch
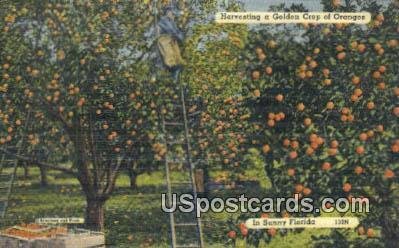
34 161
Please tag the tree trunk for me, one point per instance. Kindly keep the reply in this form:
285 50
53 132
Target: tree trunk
26 170
43 176
95 214
133 177
389 229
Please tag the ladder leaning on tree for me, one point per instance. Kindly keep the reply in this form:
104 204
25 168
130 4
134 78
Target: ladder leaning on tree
186 228
8 169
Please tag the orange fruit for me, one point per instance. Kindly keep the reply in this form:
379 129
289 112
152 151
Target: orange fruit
264 215
261 56
255 75
291 172
361 48
326 166
265 148
345 110
309 151
307 191
355 80
341 55
293 155
326 72
294 144
256 93
377 46
380 128
302 75
258 50
268 70
370 133
358 92
319 140
358 170
388 174
271 116
347 187
307 121
360 150
299 188
363 136
395 148
380 17
327 81
382 68
300 107
370 105
336 3
244 231
361 230
286 142
376 74
232 234
313 64
370 233
332 151
339 48
395 111
313 137
354 44
271 123
334 144
393 43
314 145
272 232
354 98
330 105
279 97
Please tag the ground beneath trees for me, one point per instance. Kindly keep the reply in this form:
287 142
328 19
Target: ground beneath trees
133 217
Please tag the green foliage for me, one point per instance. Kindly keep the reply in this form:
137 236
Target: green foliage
324 114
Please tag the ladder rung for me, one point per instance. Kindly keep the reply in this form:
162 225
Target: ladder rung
195 113
182 182
6 175
8 160
188 246
187 224
177 105
174 124
176 161
176 142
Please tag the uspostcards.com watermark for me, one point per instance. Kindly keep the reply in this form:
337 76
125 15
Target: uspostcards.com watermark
187 203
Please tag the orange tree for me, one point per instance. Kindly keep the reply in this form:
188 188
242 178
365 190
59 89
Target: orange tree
78 69
213 71
328 113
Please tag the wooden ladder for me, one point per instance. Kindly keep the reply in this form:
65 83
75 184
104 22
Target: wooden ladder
8 170
186 228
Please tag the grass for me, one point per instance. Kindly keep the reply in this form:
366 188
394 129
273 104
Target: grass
133 217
